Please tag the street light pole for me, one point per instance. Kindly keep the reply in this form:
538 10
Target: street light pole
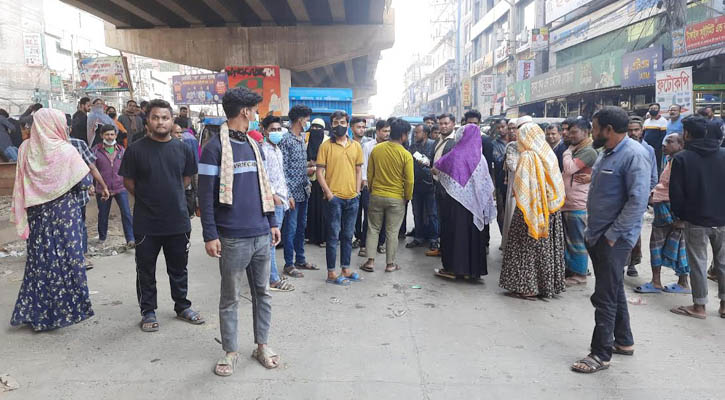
459 87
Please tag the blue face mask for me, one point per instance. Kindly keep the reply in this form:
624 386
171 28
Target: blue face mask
307 126
253 125
275 137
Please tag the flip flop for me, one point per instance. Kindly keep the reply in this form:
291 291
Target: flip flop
340 280
392 267
622 352
443 273
676 288
520 296
647 288
354 277
682 310
191 317
307 266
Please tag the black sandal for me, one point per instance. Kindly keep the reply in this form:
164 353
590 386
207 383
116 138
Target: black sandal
149 322
593 363
622 352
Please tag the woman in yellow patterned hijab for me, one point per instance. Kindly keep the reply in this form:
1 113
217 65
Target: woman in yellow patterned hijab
538 186
533 260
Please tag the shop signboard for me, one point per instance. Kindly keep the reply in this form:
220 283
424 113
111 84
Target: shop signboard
500 53
674 86
104 74
487 84
56 84
607 19
33 49
705 35
200 88
263 80
679 45
556 9
639 67
540 39
525 70
518 92
598 72
466 93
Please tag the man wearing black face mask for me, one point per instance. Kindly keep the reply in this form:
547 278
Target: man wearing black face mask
122 134
655 129
339 172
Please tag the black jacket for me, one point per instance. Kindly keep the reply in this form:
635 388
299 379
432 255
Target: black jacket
79 128
423 175
697 183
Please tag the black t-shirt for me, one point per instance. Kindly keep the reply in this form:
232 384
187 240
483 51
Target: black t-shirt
158 168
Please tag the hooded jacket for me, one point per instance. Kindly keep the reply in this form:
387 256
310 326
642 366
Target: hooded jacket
697 182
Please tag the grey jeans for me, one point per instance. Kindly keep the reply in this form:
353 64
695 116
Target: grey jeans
238 255
696 238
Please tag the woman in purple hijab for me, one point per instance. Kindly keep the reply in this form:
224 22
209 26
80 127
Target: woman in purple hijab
466 205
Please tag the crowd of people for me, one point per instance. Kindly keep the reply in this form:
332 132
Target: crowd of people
562 195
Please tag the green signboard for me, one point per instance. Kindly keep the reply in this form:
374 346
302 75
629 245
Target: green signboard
598 72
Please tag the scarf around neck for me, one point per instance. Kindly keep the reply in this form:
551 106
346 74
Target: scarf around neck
226 177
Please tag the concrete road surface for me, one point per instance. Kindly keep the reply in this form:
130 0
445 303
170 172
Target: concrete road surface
377 339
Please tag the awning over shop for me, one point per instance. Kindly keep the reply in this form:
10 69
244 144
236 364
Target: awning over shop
695 57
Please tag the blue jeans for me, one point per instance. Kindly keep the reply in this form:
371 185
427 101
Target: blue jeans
104 208
341 215
425 215
11 153
294 226
273 273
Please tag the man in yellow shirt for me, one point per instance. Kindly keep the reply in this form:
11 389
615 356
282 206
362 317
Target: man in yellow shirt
390 178
339 174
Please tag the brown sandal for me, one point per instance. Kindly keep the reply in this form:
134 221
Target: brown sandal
368 266
392 267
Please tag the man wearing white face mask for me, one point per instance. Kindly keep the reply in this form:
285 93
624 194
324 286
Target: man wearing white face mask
274 162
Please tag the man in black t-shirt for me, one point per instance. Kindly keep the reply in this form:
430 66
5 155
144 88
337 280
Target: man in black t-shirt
156 169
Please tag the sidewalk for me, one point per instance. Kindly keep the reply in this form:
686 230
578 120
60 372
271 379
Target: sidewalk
378 339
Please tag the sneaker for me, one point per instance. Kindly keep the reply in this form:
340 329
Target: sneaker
632 271
363 252
355 243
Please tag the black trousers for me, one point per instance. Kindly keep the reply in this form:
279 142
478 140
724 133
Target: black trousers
611 316
176 252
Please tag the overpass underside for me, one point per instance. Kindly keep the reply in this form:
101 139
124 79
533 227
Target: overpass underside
323 43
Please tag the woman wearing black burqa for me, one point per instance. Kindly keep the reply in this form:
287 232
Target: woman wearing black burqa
316 231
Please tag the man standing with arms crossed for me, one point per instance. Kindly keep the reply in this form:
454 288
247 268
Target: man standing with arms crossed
339 172
617 199
155 171
237 216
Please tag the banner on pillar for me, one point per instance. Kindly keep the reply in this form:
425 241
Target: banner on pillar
104 74
674 86
199 89
466 97
263 80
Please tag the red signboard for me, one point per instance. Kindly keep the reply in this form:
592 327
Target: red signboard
263 80
706 34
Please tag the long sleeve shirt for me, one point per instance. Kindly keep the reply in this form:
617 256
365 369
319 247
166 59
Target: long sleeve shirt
245 217
390 171
294 160
367 148
618 193
273 161
422 173
576 193
653 163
